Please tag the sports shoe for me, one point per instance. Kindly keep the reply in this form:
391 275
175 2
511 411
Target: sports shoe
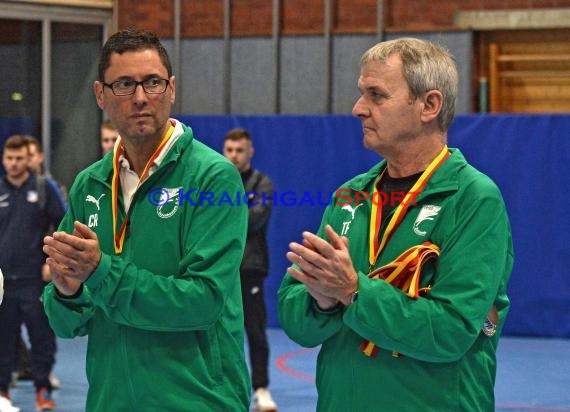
44 402
262 401
54 381
6 404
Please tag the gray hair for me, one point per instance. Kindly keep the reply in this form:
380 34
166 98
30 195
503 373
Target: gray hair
427 66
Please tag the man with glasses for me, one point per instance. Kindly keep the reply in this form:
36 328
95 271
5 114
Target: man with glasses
143 268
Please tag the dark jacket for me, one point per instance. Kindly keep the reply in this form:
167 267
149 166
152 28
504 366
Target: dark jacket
23 225
259 192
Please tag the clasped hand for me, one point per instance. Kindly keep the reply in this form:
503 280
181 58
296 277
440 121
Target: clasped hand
72 258
324 268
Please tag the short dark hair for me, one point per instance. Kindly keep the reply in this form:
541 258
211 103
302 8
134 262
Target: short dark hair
131 40
107 124
17 141
32 141
237 134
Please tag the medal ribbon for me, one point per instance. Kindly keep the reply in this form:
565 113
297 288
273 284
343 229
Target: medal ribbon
376 247
404 272
119 236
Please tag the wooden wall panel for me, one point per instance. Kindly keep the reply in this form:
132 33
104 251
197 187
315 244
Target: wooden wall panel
528 71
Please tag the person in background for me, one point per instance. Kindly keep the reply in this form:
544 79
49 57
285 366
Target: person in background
36 166
238 147
140 265
407 297
109 136
24 221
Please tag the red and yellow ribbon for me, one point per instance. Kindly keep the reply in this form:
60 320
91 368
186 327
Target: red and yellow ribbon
404 272
375 247
119 236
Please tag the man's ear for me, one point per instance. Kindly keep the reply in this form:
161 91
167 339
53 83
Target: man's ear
98 91
172 89
432 104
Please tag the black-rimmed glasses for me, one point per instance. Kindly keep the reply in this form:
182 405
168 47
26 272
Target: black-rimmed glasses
154 85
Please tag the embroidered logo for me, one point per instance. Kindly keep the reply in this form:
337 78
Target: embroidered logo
352 211
32 196
94 200
428 212
168 203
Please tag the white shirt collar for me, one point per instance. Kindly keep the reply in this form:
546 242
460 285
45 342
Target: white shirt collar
176 134
129 179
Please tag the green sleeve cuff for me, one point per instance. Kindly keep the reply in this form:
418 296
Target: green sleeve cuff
79 298
100 273
61 296
362 279
336 308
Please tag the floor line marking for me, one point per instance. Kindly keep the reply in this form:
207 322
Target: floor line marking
282 365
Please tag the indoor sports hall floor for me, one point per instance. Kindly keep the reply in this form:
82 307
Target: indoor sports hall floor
533 375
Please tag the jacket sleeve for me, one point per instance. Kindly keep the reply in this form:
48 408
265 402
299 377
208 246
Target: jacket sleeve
299 314
261 204
470 276
213 238
68 317
55 203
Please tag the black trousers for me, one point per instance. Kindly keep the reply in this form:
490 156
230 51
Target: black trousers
255 319
23 363
24 306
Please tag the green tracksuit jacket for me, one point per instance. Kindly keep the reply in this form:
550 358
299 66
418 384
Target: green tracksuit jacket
164 320
448 364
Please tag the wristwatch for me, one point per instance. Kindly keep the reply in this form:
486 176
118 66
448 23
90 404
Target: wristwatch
489 328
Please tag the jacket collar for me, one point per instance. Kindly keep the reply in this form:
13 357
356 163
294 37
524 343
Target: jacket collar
444 179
